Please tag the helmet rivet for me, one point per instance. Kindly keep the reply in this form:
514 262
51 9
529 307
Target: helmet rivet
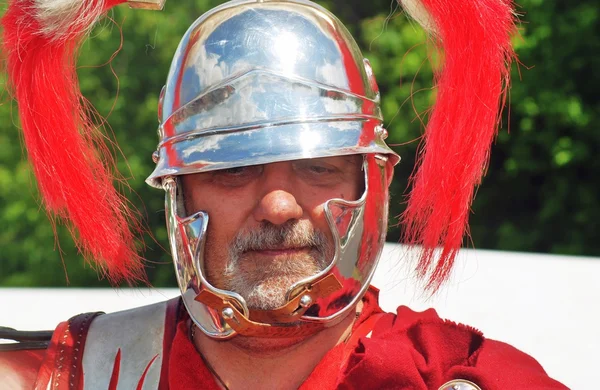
381 132
155 156
228 313
305 301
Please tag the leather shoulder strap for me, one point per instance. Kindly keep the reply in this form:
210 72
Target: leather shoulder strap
62 364
24 339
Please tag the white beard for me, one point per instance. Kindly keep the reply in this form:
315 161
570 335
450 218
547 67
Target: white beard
265 288
264 284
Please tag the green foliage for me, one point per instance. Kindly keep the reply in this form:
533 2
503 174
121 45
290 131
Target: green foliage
540 193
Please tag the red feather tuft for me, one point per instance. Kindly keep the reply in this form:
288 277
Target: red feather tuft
474 37
70 160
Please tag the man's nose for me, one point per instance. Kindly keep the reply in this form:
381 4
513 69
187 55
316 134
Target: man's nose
278 203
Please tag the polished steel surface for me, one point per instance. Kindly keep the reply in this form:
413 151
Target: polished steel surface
305 301
186 238
357 244
259 82
460 384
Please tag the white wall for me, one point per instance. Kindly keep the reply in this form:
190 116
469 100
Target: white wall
547 306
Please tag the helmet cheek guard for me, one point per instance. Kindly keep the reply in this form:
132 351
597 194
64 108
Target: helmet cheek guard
261 82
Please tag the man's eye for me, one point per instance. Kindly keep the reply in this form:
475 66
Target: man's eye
318 173
319 169
234 171
237 176
313 167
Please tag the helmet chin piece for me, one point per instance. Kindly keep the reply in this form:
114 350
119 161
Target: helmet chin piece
314 303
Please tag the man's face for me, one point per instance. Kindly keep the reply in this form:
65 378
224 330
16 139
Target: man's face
267 227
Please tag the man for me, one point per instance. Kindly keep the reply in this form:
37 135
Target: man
270 126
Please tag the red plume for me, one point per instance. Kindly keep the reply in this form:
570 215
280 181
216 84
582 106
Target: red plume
72 164
474 39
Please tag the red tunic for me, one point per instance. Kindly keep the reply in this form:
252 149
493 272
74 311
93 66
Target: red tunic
406 350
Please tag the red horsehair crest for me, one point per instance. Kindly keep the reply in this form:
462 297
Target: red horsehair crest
73 166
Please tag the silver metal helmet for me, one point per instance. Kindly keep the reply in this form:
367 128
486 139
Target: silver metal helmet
261 82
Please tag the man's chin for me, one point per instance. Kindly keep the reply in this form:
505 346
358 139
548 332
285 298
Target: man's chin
264 285
267 297
268 293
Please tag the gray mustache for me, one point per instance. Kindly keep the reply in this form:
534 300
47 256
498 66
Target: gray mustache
292 234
